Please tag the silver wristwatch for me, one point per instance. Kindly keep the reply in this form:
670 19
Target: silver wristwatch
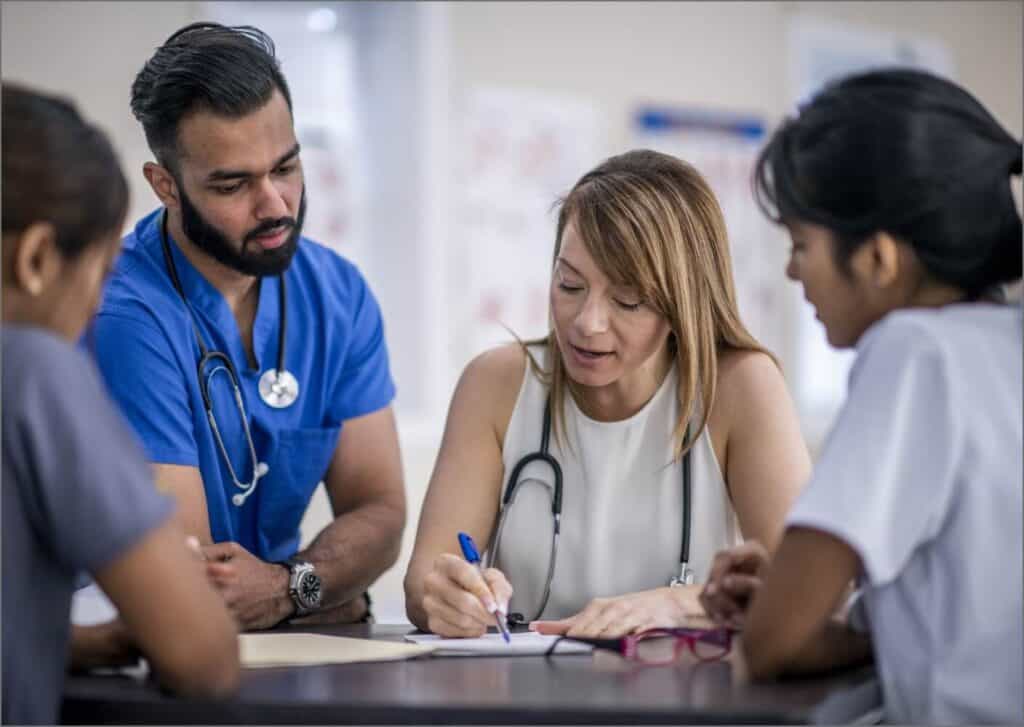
303 586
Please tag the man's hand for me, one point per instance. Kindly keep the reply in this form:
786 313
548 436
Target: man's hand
256 592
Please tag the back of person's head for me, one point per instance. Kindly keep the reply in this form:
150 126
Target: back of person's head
60 170
906 153
227 71
651 222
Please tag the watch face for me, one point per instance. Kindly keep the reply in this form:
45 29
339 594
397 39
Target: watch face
308 591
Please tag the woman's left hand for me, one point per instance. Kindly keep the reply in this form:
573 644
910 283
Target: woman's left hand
608 618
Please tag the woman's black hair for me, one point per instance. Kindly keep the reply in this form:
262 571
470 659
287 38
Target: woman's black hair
230 71
907 153
57 168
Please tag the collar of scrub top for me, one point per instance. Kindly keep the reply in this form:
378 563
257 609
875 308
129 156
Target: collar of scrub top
685 575
278 387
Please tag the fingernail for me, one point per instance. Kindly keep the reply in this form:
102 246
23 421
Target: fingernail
504 608
490 605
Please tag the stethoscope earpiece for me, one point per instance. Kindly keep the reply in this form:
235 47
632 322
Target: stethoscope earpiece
261 470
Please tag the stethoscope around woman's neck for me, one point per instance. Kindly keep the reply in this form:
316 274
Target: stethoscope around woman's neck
278 387
685 575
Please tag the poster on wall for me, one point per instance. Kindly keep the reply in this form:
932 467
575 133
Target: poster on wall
821 51
519 152
723 147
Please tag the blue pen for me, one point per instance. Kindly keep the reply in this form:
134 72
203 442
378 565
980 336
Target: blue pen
472 557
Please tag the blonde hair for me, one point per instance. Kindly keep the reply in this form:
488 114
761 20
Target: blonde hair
651 222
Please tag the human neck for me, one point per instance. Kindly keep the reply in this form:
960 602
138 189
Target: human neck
20 309
238 289
626 396
933 294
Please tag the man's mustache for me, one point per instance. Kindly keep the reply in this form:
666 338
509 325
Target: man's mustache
268 226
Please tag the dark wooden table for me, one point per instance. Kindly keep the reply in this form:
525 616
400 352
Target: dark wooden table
594 689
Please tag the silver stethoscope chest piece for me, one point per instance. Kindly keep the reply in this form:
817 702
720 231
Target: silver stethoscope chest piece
279 390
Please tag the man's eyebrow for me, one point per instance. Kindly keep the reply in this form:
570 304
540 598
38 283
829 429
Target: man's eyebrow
222 175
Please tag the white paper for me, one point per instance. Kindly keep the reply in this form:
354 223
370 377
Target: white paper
527 643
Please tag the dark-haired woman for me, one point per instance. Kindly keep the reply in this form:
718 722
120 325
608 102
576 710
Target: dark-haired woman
77 491
895 189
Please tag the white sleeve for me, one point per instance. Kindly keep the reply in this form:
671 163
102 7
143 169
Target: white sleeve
886 475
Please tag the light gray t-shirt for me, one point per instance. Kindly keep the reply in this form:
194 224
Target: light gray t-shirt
77 493
922 476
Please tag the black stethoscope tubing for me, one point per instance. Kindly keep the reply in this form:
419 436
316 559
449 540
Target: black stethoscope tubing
172 270
208 357
542 455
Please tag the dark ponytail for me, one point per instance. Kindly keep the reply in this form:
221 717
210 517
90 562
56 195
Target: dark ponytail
58 169
907 153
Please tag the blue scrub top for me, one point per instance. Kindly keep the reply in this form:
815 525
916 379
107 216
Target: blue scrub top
145 346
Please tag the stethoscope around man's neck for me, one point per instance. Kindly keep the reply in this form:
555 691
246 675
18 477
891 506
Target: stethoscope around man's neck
278 387
685 575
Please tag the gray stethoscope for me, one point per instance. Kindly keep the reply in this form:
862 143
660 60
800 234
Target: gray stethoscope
685 576
278 387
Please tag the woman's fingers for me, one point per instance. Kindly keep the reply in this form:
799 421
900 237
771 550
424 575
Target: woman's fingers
553 628
468 578
454 591
741 587
443 620
500 588
718 602
750 557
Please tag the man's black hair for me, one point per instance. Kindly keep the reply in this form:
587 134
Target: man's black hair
230 71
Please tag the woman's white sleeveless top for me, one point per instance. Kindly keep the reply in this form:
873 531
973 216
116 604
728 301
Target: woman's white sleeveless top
622 503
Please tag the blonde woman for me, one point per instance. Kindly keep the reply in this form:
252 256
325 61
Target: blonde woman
671 430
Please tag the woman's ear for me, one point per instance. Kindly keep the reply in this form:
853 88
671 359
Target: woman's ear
878 260
37 259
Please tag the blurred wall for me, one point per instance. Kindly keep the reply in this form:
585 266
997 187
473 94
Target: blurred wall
728 55
731 55
91 51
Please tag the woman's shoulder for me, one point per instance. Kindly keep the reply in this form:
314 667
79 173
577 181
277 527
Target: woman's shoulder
492 380
743 371
747 379
499 366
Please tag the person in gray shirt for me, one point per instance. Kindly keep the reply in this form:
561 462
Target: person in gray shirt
77 491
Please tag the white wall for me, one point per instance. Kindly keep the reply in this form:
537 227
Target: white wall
91 51
728 55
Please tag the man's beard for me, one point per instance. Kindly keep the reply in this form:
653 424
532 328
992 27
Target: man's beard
260 262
